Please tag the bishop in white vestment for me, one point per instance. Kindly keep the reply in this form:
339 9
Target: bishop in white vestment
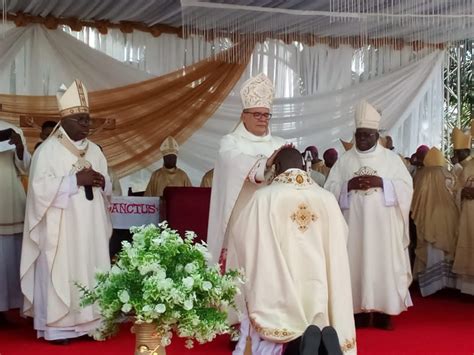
374 190
242 167
67 224
292 247
14 160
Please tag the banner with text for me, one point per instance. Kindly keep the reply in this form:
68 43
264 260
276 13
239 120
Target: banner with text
129 211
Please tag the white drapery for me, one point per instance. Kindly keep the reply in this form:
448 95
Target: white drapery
316 86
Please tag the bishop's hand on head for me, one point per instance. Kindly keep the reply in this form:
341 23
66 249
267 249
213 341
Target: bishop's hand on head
271 159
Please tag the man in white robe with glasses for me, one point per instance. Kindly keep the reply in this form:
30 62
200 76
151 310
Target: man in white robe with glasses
244 165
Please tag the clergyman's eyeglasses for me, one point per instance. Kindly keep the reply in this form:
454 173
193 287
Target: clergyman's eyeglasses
260 115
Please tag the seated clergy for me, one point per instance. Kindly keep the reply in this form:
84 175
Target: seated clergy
292 247
436 217
169 174
207 179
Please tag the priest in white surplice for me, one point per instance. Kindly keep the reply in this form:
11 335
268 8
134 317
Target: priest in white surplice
67 225
242 167
14 160
374 190
292 247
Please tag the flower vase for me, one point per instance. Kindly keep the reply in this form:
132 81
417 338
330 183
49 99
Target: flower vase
147 340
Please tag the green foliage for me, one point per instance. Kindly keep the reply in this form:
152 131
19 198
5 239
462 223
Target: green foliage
164 279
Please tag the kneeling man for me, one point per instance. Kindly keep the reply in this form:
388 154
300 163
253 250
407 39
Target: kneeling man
292 246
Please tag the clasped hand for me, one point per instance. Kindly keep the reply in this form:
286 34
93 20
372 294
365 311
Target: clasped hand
364 182
90 177
15 139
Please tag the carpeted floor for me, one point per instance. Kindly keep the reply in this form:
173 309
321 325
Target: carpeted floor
440 324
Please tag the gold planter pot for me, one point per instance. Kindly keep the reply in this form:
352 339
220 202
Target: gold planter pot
147 340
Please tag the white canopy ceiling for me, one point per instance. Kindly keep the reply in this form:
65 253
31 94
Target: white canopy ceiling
410 20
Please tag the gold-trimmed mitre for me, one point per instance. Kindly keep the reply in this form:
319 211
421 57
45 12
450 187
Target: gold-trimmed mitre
434 157
169 146
366 116
73 100
460 139
257 92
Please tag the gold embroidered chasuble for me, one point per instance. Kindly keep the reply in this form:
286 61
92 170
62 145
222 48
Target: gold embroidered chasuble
164 177
435 213
207 179
464 259
291 242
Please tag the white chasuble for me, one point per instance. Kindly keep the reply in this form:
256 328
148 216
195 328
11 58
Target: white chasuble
238 173
378 229
66 236
291 242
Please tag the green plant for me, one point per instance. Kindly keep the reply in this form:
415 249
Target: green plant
164 279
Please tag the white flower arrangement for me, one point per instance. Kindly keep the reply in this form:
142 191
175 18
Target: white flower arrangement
164 279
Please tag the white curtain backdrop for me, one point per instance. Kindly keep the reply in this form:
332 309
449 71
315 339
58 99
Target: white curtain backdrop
316 87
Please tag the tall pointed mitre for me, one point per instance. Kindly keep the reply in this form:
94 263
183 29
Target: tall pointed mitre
434 157
169 146
347 145
366 116
257 92
460 139
73 100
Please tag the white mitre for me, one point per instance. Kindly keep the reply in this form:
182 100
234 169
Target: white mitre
73 100
169 146
366 116
257 92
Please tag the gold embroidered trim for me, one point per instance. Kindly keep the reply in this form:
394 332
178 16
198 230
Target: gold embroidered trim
348 345
366 171
298 178
79 153
82 96
270 332
303 217
74 110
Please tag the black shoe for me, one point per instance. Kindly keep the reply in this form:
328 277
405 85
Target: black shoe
310 341
60 342
84 337
329 342
383 321
362 320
